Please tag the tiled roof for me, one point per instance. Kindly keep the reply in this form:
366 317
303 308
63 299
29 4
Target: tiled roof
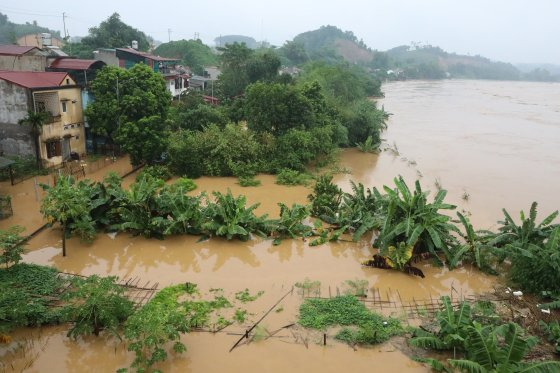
73 64
14 50
147 55
34 79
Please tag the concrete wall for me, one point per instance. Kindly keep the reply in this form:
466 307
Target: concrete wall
23 63
35 40
107 56
14 103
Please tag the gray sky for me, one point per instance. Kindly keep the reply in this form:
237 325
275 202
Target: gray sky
505 30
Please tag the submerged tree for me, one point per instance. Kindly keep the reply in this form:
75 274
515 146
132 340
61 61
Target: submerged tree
67 202
36 121
11 245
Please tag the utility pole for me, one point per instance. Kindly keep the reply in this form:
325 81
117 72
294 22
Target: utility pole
196 36
169 33
64 23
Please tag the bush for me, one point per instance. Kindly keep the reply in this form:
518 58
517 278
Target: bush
96 304
155 171
248 181
291 177
11 245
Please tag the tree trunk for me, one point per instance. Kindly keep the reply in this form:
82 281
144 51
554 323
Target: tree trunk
64 239
37 151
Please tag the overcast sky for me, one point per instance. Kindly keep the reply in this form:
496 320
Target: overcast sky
505 30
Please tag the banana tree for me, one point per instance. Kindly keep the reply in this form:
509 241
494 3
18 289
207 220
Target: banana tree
474 247
396 257
290 224
412 219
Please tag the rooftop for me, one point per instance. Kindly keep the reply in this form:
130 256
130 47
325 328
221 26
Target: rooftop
33 79
146 55
75 64
14 50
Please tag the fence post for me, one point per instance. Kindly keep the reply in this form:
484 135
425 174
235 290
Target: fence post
35 188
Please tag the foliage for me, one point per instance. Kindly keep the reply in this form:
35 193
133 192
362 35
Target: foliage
192 53
11 245
229 217
474 248
552 332
159 322
214 151
145 140
10 31
196 117
357 288
364 121
156 171
368 146
290 224
326 197
414 221
113 33
240 315
69 204
484 348
532 249
318 313
27 292
36 121
141 94
245 296
291 177
248 181
312 288
96 304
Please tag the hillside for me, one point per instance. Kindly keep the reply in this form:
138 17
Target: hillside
222 40
9 31
193 53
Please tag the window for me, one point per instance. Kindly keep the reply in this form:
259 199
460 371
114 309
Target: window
67 81
54 148
64 107
41 106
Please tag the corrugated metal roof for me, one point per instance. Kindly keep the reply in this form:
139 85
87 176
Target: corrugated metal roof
34 79
14 50
147 55
73 64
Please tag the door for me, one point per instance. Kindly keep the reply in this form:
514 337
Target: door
65 148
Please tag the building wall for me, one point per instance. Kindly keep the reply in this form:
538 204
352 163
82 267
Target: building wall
70 125
35 40
23 63
106 55
14 103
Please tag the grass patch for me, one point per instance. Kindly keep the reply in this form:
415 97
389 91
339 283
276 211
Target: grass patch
244 296
362 326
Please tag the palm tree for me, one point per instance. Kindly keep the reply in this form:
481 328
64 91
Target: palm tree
35 120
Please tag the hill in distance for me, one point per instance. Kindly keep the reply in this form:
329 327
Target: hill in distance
10 32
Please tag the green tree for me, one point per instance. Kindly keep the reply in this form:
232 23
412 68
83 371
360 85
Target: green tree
11 245
36 121
295 52
144 140
114 33
276 108
123 96
193 53
67 202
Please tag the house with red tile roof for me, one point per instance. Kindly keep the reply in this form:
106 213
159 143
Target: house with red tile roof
55 93
21 58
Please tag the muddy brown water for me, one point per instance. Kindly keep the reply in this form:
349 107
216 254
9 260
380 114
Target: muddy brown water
496 141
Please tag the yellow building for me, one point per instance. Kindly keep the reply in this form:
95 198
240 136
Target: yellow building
52 92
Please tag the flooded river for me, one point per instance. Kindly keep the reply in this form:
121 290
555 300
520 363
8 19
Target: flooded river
496 142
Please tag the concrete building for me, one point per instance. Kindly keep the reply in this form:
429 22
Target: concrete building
52 92
40 40
18 58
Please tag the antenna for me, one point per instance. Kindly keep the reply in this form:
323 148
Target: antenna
169 33
196 36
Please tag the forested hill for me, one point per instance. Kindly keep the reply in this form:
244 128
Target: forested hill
192 53
9 31
331 44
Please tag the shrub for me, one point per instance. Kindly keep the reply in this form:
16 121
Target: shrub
291 177
155 171
248 181
96 304
11 245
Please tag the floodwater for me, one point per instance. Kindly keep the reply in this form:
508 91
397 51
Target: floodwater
496 141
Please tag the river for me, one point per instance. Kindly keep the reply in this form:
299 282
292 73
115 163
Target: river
495 142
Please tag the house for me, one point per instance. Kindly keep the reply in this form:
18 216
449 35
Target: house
52 92
82 71
176 77
39 40
21 58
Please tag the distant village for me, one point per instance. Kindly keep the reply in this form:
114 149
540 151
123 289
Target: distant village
37 76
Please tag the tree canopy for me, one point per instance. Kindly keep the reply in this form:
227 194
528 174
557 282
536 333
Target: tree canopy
193 53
